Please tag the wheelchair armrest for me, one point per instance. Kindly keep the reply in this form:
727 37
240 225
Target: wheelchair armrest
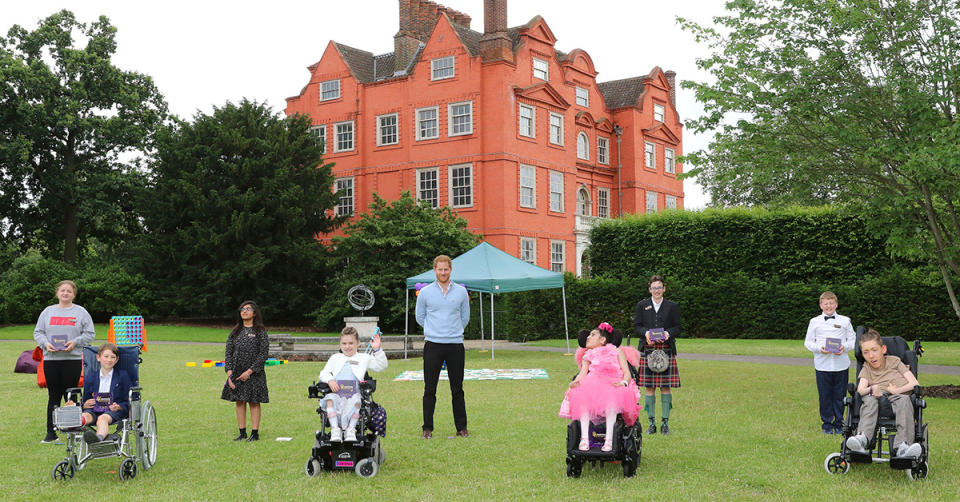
318 390
76 392
368 386
851 388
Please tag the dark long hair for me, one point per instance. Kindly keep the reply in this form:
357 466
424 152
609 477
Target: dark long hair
258 326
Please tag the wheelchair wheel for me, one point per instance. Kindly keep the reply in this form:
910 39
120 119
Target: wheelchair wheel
574 467
367 468
313 467
919 472
836 464
63 470
147 439
128 469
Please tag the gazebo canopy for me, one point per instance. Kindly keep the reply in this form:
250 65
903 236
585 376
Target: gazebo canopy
490 270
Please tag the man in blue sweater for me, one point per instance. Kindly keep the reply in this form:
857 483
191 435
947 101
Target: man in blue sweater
443 309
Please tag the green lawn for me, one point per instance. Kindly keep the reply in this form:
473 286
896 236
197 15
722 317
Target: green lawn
934 352
736 437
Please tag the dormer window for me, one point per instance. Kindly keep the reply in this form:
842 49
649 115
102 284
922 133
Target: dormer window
329 90
541 69
658 113
441 68
583 97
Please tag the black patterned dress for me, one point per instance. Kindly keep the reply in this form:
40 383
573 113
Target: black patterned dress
247 350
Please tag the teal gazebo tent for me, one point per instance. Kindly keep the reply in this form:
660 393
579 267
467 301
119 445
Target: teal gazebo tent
486 269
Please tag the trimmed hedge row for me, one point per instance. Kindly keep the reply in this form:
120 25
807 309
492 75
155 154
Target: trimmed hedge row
739 306
790 245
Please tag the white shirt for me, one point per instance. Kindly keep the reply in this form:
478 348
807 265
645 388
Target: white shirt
106 380
819 330
656 306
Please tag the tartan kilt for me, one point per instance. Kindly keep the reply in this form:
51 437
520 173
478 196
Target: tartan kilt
669 378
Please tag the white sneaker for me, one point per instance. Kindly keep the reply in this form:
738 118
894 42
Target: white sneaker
912 450
857 443
350 435
336 435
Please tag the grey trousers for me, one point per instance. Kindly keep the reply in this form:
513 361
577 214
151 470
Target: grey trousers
902 408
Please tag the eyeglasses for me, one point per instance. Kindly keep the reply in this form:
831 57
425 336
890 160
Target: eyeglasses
656 288
246 309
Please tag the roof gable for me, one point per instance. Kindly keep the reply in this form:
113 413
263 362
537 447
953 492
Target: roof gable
657 79
542 93
663 133
579 60
537 29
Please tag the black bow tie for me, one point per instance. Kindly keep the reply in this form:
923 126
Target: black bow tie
828 317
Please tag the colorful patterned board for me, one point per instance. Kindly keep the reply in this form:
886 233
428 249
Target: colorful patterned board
127 330
481 374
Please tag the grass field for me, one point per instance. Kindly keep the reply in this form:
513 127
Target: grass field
742 431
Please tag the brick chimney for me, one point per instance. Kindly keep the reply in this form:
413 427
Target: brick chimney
417 19
495 44
672 80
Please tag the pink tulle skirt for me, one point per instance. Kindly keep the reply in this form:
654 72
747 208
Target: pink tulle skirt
596 394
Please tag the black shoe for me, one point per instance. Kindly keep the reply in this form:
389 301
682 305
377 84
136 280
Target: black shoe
241 437
90 437
664 428
653 427
253 437
51 437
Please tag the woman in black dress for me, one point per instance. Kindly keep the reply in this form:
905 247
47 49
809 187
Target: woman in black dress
244 357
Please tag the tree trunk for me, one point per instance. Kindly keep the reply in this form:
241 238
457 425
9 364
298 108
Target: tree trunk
70 233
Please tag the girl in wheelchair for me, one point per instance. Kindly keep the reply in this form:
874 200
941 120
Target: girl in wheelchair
342 373
106 395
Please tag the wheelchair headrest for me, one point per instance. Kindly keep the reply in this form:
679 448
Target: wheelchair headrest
896 346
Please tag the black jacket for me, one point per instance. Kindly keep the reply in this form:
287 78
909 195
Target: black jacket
668 318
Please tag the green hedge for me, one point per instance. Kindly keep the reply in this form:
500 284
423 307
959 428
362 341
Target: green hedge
789 245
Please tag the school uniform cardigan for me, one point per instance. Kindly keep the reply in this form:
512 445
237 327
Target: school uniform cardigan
119 388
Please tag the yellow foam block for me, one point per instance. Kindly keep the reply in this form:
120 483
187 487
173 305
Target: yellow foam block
191 365
207 365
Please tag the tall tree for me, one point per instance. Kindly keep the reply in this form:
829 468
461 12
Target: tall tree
68 117
233 212
385 246
846 101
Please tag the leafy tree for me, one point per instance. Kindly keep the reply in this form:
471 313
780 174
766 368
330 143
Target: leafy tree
847 101
67 116
233 211
385 246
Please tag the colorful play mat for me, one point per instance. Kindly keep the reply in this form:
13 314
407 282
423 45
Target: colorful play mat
481 374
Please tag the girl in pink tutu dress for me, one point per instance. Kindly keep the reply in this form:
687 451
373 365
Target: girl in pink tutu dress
601 390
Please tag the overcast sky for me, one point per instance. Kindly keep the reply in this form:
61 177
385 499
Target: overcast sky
203 53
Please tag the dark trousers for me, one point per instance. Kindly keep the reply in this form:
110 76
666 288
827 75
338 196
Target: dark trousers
60 375
434 354
832 385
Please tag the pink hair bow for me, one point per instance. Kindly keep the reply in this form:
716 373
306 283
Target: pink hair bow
605 326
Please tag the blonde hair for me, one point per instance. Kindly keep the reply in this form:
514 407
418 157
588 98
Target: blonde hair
65 281
108 346
871 336
350 331
828 295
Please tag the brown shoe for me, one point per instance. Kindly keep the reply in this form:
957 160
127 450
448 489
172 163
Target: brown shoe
463 433
427 434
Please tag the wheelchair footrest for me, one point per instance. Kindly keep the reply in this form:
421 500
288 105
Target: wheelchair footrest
860 458
901 463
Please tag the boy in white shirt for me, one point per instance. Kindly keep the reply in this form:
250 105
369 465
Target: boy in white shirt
830 336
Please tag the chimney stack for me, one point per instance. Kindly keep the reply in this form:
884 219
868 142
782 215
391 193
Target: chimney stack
672 80
495 44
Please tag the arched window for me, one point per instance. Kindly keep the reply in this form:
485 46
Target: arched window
583 202
583 146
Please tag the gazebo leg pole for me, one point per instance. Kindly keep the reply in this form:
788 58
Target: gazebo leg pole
480 295
566 331
406 320
492 335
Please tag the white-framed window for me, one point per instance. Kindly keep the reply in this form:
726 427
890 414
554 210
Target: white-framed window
671 202
343 141
669 160
583 202
441 68
583 97
651 202
541 69
556 191
387 132
583 146
603 150
320 134
461 185
603 202
658 113
528 121
528 186
558 250
428 186
528 250
329 90
556 128
344 188
650 155
460 118
427 123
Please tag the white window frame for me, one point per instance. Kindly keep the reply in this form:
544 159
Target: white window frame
584 204
438 65
542 67
555 246
603 202
344 205
451 119
435 202
556 197
583 97
324 90
650 155
670 201
583 146
528 186
381 127
652 202
453 185
603 150
669 160
659 112
528 250
320 133
532 121
558 138
337 136
436 120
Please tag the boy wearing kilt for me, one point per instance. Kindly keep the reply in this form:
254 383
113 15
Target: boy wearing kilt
657 317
